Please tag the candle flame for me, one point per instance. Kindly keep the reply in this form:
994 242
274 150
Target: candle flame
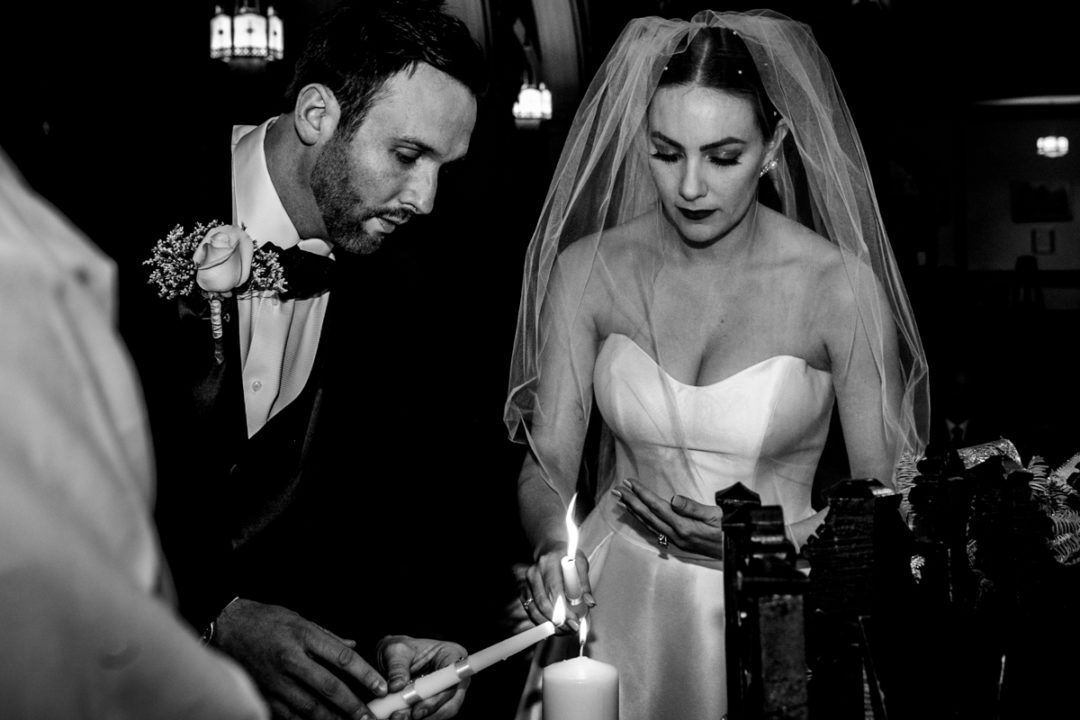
571 530
558 614
583 634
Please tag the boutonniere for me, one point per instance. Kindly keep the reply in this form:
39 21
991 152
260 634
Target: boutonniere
219 260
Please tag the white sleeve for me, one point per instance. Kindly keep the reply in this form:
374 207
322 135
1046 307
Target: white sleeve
81 633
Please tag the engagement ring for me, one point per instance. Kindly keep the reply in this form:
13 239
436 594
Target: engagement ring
661 540
525 604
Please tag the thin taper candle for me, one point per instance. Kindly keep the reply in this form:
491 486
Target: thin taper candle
571 581
427 685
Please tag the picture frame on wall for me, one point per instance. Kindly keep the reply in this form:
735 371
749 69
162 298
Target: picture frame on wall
1043 242
1040 202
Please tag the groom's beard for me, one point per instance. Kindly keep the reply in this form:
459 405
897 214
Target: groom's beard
336 198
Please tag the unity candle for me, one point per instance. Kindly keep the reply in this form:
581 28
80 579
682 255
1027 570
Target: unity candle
581 689
427 685
571 581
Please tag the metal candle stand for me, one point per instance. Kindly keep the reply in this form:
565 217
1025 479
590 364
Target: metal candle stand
856 558
803 646
765 622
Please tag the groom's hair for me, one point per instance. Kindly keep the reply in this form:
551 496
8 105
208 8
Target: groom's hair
356 47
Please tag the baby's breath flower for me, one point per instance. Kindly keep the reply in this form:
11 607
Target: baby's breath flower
173 269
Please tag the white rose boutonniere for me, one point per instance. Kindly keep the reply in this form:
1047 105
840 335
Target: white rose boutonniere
217 259
223 259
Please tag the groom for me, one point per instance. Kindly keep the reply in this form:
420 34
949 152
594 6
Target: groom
250 430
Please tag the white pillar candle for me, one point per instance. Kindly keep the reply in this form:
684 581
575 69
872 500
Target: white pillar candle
581 689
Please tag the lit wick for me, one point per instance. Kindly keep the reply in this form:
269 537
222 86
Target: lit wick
571 581
583 635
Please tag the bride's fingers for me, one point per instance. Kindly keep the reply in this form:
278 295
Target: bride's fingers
633 501
581 565
708 514
544 583
538 606
655 506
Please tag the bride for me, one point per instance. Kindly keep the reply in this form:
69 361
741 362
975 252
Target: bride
713 334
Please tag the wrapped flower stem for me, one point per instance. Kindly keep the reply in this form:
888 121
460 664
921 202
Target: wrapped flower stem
215 327
215 316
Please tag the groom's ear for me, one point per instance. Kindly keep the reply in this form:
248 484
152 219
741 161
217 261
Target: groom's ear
316 114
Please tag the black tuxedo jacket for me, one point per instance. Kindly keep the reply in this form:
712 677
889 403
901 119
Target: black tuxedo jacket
218 490
366 505
362 504
383 499
221 496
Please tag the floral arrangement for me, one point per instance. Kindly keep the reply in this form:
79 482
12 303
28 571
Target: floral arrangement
1056 494
217 258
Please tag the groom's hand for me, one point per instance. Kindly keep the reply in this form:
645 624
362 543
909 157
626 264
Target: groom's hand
303 670
405 658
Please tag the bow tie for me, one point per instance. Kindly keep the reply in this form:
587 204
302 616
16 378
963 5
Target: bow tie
306 274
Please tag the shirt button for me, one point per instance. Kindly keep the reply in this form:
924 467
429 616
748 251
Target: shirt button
256 385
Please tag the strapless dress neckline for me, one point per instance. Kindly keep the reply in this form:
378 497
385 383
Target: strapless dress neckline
759 365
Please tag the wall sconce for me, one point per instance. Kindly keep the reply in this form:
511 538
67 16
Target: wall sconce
1052 146
247 35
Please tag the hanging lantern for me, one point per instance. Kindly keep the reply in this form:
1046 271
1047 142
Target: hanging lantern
275 34
1052 146
220 34
533 105
247 34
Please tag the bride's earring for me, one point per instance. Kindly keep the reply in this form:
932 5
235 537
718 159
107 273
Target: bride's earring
769 167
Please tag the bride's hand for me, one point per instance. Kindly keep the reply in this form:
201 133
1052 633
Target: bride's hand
801 531
685 523
543 583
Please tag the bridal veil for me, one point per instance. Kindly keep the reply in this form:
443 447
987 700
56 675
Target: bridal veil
602 180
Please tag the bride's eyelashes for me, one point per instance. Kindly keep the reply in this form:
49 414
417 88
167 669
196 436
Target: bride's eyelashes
669 157
725 161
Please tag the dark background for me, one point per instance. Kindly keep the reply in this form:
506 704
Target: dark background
115 113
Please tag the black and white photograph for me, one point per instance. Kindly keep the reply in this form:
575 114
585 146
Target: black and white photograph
539 360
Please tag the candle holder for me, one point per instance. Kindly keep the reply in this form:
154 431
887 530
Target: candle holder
764 609
859 566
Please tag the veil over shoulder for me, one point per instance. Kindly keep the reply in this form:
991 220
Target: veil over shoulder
602 182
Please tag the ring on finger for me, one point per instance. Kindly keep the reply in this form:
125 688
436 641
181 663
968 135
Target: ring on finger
662 540
526 603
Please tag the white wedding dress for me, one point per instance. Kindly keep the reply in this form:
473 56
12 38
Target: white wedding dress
660 613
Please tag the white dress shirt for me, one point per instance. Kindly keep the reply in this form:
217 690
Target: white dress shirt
82 634
278 338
